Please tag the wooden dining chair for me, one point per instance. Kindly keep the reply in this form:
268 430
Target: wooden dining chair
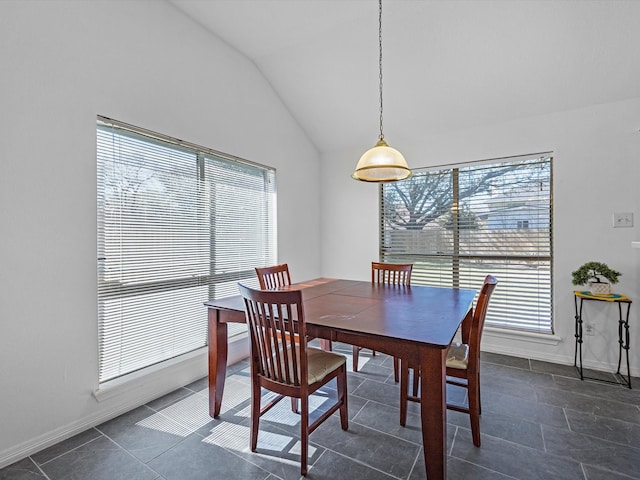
273 277
282 362
463 364
388 274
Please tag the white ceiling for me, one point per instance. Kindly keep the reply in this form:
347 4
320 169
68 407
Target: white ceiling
447 65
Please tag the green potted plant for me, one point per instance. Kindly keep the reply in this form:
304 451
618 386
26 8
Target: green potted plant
592 273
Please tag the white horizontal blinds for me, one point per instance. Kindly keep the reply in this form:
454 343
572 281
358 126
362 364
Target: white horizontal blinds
459 224
511 233
156 253
242 202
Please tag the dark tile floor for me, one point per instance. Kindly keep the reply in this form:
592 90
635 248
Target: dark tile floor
539 422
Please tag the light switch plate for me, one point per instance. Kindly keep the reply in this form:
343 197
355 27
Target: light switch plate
623 219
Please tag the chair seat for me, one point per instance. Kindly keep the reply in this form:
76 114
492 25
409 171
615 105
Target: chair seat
458 356
320 363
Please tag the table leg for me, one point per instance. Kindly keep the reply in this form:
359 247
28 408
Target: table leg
626 344
620 340
623 341
433 409
217 361
578 335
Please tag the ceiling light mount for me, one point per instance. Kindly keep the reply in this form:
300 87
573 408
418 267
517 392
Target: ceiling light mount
381 163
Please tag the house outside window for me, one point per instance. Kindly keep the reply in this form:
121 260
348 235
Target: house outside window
523 223
460 223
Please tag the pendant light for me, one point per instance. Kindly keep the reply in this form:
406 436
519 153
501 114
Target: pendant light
381 163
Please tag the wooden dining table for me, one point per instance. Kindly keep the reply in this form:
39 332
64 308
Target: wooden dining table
415 323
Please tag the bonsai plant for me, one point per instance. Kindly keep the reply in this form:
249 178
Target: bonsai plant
592 273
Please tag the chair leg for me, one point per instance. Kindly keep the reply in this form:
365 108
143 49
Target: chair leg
342 396
356 351
474 408
255 414
396 369
416 381
304 434
326 344
479 397
294 404
404 387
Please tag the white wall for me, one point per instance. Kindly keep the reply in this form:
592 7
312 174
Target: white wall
146 64
596 172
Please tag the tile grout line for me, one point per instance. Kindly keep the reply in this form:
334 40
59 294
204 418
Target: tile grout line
368 427
415 461
237 455
39 468
132 455
67 451
453 442
483 467
566 418
584 472
360 462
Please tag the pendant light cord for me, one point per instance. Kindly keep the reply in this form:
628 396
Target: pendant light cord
381 163
380 62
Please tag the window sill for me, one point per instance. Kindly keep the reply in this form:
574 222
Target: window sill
170 374
139 379
533 337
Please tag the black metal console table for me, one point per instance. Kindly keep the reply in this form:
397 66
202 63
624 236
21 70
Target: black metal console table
623 332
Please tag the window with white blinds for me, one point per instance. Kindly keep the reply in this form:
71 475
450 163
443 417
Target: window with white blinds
460 223
178 225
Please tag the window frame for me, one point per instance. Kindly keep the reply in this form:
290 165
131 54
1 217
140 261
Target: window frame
389 252
200 194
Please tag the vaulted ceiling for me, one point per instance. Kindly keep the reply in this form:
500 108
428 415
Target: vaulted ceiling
448 65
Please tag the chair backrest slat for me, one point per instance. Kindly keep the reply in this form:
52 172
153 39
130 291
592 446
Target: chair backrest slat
260 337
273 277
278 334
479 316
271 351
391 273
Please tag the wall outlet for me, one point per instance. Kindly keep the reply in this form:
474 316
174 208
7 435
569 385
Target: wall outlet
589 330
623 219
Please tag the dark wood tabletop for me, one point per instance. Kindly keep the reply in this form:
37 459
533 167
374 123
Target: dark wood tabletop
419 314
415 323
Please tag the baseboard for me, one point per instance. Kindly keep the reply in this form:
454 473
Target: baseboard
517 352
559 359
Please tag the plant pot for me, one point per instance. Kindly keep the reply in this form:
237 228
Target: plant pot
600 288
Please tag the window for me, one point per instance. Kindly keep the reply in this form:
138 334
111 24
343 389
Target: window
461 223
177 225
